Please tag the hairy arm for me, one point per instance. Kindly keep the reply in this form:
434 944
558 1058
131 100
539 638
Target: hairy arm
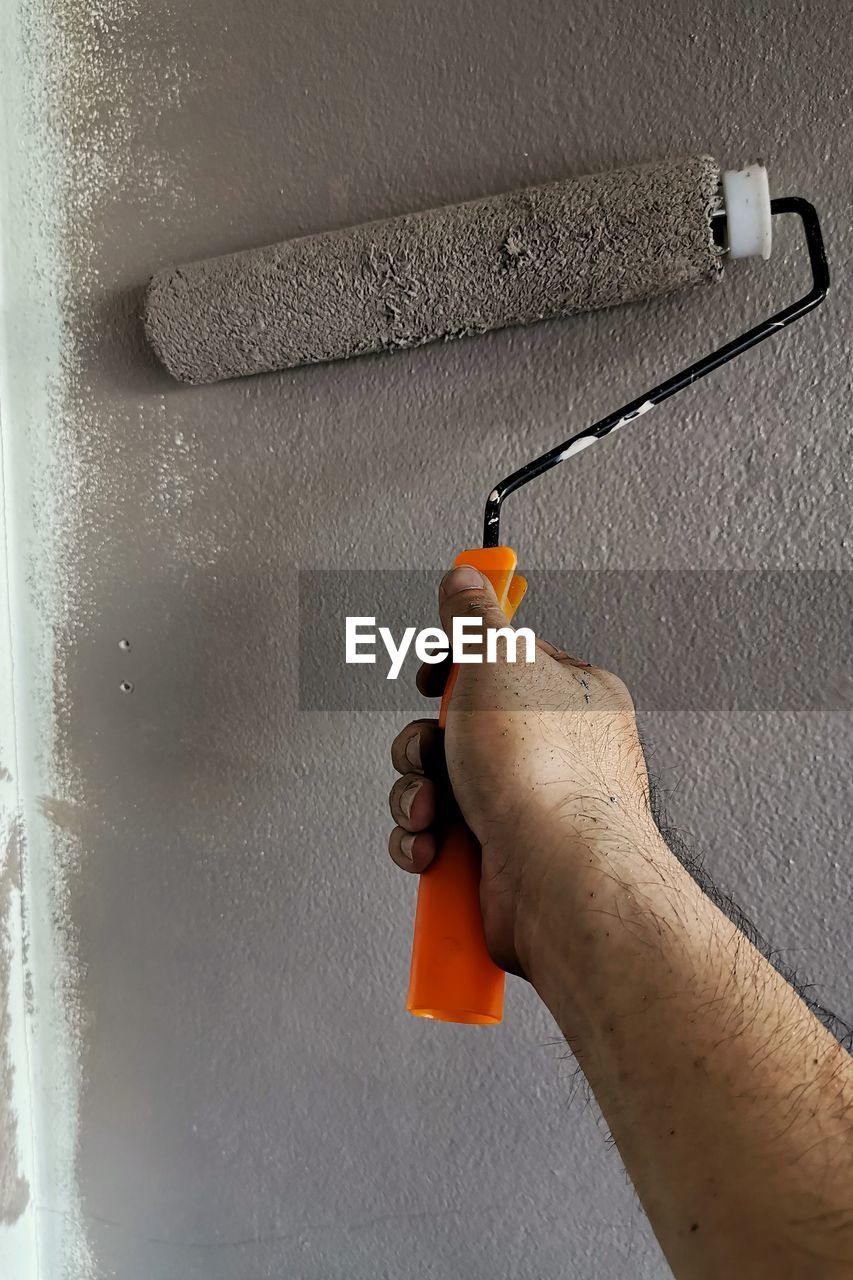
731 1105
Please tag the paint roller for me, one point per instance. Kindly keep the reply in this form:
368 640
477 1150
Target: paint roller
547 252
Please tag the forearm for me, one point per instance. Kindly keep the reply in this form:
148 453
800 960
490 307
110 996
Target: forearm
732 1107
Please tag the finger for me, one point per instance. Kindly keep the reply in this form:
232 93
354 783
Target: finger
411 852
418 748
432 677
467 593
412 802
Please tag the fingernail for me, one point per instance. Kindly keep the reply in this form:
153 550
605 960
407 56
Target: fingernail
464 578
407 845
407 799
413 751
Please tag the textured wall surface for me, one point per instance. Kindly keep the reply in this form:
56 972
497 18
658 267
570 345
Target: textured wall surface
226 1086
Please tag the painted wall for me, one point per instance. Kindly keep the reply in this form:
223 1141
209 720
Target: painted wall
214 1056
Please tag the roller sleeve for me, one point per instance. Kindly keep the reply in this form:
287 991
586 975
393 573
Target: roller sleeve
506 260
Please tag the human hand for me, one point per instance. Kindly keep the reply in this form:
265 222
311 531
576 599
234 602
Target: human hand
692 1043
543 761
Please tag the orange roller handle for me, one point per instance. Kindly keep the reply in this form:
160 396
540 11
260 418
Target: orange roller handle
453 977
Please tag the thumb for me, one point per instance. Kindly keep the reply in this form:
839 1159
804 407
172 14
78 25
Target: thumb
465 592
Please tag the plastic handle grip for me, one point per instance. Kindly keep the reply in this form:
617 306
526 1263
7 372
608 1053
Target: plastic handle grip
453 977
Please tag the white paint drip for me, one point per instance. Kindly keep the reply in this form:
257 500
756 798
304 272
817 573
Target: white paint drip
632 417
638 413
577 446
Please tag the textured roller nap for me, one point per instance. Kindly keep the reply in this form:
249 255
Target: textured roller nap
512 259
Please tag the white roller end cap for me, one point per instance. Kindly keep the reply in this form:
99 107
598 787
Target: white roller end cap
746 193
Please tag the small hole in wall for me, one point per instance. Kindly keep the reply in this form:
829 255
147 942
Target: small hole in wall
124 644
126 686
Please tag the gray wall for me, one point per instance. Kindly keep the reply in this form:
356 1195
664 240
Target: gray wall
244 1096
